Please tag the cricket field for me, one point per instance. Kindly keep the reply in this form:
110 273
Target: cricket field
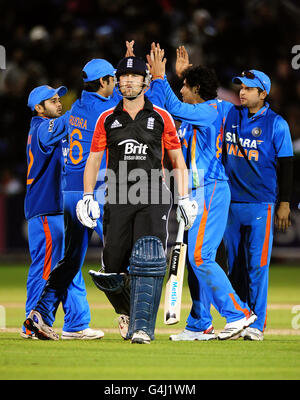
112 358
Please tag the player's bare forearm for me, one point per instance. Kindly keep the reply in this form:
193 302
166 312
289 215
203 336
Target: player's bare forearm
91 171
282 216
180 171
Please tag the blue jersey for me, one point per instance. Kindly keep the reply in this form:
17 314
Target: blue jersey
83 117
252 148
44 166
82 121
201 134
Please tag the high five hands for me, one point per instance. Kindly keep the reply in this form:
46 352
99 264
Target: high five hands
156 61
182 61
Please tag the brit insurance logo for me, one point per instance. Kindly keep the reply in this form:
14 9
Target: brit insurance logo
133 150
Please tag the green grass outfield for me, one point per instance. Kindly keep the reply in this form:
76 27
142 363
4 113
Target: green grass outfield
277 357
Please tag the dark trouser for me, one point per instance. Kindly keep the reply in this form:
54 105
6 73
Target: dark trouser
124 224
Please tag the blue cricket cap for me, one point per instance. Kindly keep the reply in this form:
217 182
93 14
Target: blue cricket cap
97 68
254 78
44 92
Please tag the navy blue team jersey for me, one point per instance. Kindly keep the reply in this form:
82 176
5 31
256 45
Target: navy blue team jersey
252 148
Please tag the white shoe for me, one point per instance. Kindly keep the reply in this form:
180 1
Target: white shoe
85 334
186 335
234 328
25 335
140 337
252 334
123 321
34 322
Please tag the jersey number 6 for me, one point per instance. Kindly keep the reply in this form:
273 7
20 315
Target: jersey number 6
76 143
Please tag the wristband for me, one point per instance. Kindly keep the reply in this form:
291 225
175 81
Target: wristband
181 199
88 194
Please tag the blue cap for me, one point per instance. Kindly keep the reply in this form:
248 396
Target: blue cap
44 92
97 68
258 79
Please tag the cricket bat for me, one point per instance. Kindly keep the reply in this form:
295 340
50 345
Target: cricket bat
175 279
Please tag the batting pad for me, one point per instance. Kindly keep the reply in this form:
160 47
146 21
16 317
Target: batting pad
147 271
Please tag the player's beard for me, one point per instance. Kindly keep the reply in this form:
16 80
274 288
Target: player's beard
250 103
132 92
52 114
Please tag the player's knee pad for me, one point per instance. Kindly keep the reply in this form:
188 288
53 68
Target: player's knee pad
116 288
147 271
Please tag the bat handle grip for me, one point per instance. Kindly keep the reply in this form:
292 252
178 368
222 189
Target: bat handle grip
180 233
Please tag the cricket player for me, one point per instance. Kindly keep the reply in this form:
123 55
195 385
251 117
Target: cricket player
135 134
256 140
98 78
44 205
202 117
97 96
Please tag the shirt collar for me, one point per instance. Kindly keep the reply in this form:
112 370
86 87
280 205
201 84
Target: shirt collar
148 106
37 119
260 113
93 95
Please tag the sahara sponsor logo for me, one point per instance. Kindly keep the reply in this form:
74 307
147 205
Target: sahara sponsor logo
250 146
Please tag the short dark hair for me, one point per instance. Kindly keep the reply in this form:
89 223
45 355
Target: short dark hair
42 103
205 78
93 86
260 90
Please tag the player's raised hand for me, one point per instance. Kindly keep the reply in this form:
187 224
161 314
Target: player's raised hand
156 61
129 48
88 211
182 61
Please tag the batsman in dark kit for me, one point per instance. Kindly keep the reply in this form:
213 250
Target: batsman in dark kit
135 134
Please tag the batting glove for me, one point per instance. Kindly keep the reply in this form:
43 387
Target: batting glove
88 210
187 210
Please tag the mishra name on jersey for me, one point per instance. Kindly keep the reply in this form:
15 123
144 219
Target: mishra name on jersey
78 122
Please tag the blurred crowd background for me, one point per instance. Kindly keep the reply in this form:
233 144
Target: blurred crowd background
49 41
